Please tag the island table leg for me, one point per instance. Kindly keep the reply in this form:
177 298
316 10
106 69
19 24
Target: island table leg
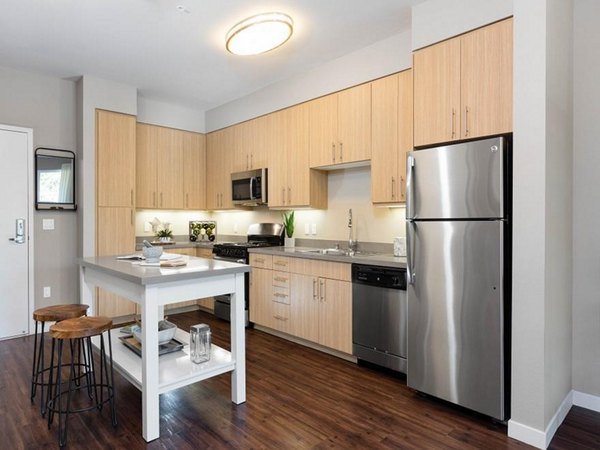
150 398
238 341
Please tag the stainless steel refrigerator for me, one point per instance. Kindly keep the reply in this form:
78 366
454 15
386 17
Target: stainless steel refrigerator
458 270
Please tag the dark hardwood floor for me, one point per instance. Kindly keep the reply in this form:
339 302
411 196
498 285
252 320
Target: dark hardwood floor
296 398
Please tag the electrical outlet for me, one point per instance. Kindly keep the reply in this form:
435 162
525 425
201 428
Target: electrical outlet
48 224
47 291
307 228
314 228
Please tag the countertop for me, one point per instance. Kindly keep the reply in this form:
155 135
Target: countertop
195 268
376 259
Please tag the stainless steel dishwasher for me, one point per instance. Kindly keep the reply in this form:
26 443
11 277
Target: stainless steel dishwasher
379 315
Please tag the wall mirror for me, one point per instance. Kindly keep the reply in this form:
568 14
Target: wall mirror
54 179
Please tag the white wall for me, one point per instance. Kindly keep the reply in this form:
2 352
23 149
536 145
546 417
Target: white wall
46 104
382 58
436 20
169 115
347 189
586 200
96 93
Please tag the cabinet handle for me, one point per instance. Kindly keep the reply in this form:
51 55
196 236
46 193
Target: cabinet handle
154 198
333 151
401 190
280 279
314 288
132 217
466 121
453 119
259 260
187 200
289 196
322 290
161 199
278 294
251 163
278 317
341 151
281 263
393 182
131 197
247 166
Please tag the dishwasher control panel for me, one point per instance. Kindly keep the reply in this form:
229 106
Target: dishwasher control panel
380 276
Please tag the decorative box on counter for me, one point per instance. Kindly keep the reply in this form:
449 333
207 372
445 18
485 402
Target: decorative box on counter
203 230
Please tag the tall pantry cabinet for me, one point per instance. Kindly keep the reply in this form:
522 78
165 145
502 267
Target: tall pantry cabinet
115 198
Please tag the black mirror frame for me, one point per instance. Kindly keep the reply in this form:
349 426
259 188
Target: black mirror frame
44 206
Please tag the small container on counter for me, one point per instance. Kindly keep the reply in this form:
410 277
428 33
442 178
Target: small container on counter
200 341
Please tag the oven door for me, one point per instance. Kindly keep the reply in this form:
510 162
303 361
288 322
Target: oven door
223 302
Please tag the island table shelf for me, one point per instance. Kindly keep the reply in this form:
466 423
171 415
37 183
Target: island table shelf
152 288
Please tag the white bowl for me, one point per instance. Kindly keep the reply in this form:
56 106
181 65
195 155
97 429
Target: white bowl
152 254
166 332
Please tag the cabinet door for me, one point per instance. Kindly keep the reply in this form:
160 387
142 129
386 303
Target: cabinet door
405 130
323 125
486 78
385 156
261 309
436 72
240 147
305 307
354 124
259 131
295 147
115 159
194 170
115 233
170 170
146 166
335 315
218 169
278 163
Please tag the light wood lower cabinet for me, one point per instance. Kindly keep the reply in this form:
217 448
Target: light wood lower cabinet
305 298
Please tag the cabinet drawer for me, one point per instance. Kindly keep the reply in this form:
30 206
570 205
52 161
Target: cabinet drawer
264 261
281 295
281 263
281 279
324 269
281 317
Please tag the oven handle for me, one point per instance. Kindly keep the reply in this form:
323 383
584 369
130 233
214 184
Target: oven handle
235 260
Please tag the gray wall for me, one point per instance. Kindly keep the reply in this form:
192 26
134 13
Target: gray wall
586 200
47 105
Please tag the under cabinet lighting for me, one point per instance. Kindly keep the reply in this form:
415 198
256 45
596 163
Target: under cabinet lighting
259 34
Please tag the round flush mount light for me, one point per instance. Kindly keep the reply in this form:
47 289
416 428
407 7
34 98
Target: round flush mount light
259 34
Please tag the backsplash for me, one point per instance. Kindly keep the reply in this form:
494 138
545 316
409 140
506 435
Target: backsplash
349 188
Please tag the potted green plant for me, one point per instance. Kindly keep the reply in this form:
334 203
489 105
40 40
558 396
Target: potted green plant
164 234
289 224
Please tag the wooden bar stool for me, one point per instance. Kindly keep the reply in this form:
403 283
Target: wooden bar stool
54 313
80 331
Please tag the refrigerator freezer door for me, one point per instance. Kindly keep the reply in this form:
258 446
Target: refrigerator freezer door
455 313
462 181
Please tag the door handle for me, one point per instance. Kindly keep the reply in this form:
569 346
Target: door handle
19 232
410 237
410 164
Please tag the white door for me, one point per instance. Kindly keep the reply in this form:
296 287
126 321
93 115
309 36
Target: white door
15 215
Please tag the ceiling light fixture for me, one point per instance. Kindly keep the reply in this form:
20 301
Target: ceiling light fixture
259 34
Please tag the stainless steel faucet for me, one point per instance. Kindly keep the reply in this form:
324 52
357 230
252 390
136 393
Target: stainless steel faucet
351 241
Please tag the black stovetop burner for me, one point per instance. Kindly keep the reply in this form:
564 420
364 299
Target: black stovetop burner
259 235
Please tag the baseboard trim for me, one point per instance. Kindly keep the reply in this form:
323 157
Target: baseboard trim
586 401
538 438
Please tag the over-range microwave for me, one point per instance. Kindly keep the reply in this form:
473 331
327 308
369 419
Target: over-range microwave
249 188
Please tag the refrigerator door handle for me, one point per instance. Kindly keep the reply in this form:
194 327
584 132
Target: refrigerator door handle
409 187
410 238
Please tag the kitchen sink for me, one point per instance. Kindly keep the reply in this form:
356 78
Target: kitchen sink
334 252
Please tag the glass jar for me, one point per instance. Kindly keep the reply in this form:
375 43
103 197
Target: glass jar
200 343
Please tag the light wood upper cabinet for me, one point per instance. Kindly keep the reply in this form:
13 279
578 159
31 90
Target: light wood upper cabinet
219 163
291 182
463 86
194 170
340 127
249 144
170 168
486 80
115 159
115 235
391 136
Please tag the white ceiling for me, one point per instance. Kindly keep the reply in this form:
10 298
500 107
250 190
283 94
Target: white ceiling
180 57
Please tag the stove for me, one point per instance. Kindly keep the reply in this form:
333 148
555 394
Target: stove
259 235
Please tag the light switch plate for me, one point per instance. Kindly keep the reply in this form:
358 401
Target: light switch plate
47 291
307 228
48 224
314 228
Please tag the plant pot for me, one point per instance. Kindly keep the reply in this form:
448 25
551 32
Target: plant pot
289 242
164 239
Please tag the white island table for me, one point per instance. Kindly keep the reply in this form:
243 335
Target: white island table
152 288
